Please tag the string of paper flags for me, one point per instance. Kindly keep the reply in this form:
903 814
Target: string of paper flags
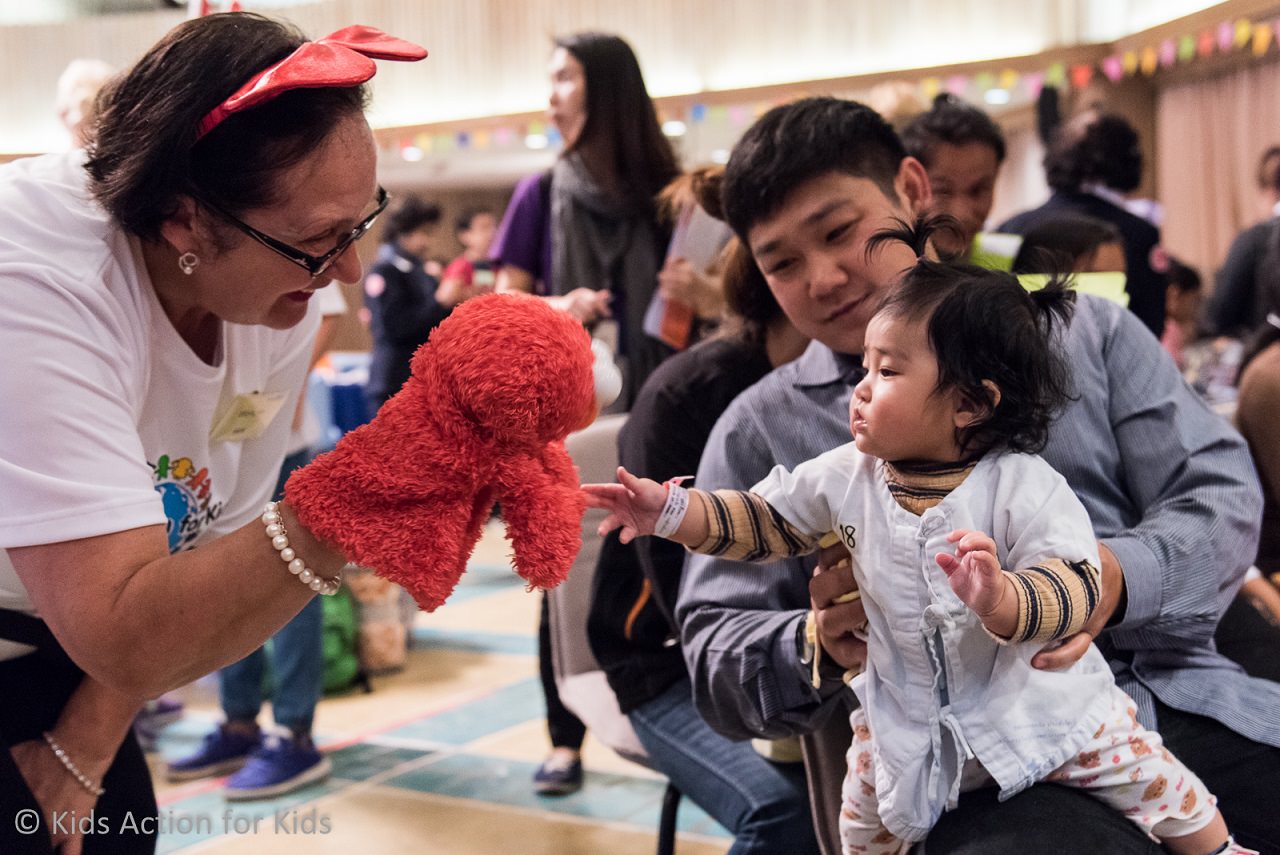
995 87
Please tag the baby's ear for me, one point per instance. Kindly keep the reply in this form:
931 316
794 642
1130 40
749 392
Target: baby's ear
973 408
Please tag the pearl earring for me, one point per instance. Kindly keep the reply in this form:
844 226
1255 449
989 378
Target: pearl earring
188 262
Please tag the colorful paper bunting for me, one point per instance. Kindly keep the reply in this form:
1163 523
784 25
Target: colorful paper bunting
1204 44
1186 48
1261 39
1243 32
1149 61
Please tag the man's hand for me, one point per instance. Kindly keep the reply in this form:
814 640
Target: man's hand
839 615
1069 650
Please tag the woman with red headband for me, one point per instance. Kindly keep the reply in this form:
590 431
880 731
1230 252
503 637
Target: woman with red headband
157 329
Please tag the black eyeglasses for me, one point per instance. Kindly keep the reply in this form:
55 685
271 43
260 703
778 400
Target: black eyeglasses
313 264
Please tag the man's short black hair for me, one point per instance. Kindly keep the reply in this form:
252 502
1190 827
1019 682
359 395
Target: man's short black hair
951 122
795 142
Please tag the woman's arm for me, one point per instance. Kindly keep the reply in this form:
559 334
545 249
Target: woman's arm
142 621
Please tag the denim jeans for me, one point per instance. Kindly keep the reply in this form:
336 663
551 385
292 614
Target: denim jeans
297 659
764 804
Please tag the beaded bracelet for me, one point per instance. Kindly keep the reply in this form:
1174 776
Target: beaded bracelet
61 754
280 540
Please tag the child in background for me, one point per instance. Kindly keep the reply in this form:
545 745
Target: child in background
1072 242
1182 298
472 272
939 492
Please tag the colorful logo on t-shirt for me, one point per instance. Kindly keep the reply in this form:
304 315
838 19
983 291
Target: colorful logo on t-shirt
186 492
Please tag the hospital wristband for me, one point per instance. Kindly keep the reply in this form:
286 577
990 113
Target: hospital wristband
673 510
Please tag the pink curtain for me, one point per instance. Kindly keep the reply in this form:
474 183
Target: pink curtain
1209 135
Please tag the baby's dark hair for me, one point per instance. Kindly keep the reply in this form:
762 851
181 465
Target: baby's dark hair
984 325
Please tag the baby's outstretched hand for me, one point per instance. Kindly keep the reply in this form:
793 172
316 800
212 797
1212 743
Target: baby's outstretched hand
633 503
974 571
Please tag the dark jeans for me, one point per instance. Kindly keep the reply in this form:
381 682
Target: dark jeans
565 728
34 689
764 804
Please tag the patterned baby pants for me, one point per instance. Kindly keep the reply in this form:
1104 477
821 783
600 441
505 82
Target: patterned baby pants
1124 765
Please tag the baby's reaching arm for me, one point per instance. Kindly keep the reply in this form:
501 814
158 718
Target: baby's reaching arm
1046 602
732 524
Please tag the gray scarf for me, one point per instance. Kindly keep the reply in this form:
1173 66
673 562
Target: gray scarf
600 242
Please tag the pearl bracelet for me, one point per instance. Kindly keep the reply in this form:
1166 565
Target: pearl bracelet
61 754
280 540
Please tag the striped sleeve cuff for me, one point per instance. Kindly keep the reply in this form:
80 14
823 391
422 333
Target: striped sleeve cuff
1055 598
742 526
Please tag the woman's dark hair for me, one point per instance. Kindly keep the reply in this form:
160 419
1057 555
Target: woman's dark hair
1059 243
983 325
806 139
1102 149
145 154
951 122
463 221
621 121
1269 169
1182 276
409 213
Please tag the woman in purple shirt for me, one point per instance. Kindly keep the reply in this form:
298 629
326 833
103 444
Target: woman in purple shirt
585 234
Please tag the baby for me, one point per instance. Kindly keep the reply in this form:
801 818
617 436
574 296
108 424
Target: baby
970 552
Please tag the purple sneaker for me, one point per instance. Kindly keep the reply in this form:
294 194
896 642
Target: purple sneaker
153 718
278 767
222 752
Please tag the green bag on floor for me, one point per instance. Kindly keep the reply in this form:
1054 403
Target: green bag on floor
340 640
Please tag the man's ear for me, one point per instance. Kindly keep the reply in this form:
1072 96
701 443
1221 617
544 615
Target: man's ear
912 186
970 411
185 229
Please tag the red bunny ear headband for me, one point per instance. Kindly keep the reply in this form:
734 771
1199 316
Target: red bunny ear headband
344 58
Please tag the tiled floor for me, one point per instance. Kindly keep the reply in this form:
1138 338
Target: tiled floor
437 759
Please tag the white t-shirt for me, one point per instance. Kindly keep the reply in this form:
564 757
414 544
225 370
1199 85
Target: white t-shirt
331 303
107 413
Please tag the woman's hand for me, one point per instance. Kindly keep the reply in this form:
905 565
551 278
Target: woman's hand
680 281
633 503
56 790
585 304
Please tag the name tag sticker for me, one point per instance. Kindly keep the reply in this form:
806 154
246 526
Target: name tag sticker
247 416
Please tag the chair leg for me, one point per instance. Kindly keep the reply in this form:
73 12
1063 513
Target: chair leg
667 823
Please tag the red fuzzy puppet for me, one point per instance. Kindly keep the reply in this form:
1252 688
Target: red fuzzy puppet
494 392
